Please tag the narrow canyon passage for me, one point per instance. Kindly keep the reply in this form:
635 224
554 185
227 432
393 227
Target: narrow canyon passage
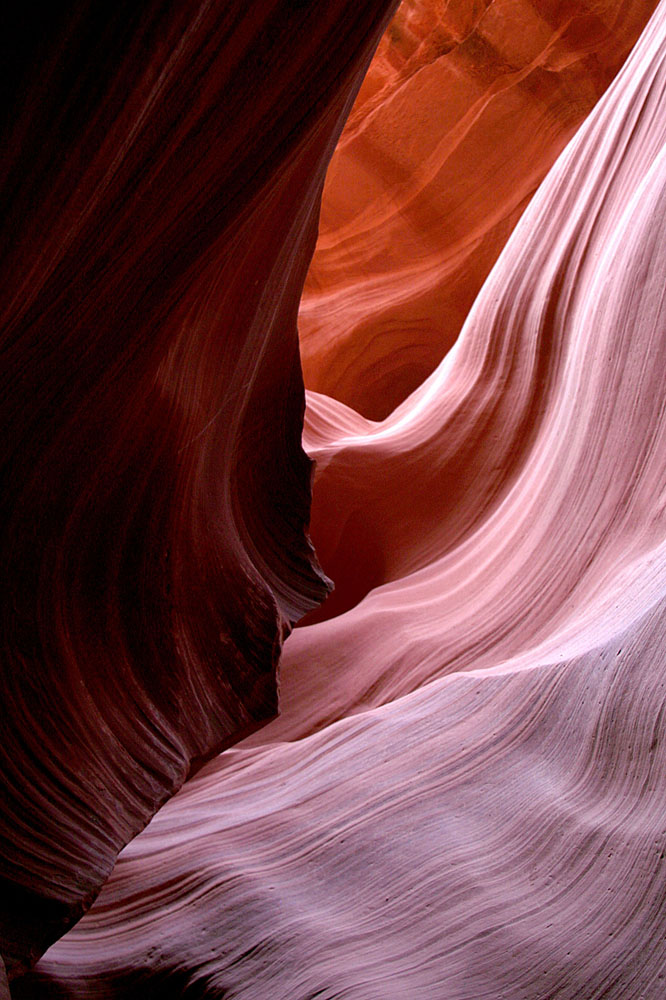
462 794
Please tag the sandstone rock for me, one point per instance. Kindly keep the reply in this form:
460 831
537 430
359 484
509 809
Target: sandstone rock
479 812
464 109
162 178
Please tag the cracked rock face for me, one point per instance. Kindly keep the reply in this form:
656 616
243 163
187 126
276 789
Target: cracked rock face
462 794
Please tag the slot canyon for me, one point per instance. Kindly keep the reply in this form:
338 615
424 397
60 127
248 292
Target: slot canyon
333 544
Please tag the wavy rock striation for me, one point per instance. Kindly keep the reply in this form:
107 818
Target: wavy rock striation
464 109
479 813
487 836
161 203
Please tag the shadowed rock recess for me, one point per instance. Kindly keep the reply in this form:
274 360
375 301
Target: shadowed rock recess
462 797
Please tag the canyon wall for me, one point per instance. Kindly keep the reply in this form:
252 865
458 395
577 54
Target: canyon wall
463 794
463 111
160 192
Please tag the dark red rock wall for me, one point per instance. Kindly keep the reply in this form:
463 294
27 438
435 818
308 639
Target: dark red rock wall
160 186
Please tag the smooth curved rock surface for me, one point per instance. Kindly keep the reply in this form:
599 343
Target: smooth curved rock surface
480 813
487 836
464 109
161 203
462 453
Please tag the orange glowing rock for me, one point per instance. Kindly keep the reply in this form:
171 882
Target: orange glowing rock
464 109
